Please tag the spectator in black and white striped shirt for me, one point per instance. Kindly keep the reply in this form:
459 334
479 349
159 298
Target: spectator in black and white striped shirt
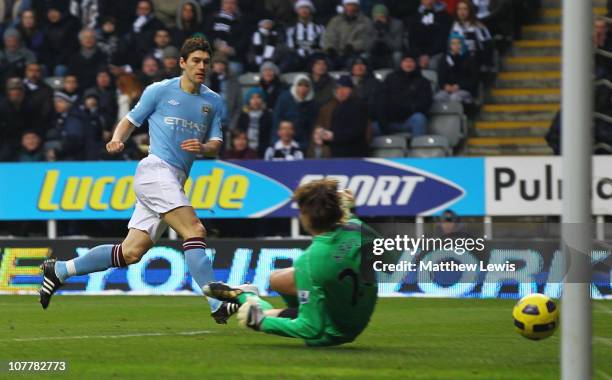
286 148
303 38
263 45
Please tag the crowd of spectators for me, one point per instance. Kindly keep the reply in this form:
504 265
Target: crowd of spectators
103 53
602 122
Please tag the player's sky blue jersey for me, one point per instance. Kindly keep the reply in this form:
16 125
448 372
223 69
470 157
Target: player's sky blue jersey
175 116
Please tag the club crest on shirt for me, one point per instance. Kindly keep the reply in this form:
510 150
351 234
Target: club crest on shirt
206 109
303 296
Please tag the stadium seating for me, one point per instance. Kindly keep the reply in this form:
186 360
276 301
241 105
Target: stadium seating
382 74
389 146
447 119
432 77
289 77
56 83
430 146
337 74
249 79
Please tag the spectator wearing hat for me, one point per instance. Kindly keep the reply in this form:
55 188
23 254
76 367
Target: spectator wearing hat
108 40
348 34
256 120
31 147
98 126
296 105
170 67
323 83
366 87
84 63
342 125
228 33
189 21
31 33
458 73
15 118
61 38
428 31
304 38
386 50
39 96
286 148
14 57
68 137
271 84
107 99
222 81
239 149
406 99
264 43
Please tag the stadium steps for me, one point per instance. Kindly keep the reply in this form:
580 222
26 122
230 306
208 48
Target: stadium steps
553 15
542 31
528 48
512 145
520 107
532 63
530 128
518 112
523 79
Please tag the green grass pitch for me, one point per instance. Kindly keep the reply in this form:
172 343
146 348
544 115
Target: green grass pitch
116 337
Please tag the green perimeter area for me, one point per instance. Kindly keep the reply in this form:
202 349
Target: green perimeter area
174 338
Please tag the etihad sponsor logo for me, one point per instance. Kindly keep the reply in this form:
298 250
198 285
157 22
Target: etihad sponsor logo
183 123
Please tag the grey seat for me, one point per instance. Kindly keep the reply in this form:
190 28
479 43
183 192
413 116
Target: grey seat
382 74
337 74
249 79
389 146
289 77
432 77
447 119
56 83
430 146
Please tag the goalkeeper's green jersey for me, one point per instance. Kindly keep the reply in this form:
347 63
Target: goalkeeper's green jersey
336 288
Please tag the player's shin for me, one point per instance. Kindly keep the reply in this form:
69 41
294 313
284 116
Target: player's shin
97 259
200 266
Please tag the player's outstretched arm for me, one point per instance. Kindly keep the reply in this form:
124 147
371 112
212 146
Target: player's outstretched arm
208 149
122 132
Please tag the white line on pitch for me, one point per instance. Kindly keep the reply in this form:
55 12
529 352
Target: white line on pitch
603 374
606 341
184 333
602 309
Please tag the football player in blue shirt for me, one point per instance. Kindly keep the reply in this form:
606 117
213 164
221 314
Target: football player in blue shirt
182 113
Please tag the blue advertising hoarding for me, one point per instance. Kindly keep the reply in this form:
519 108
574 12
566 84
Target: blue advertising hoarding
244 189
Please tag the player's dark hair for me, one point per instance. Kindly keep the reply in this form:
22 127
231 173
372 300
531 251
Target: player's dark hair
194 44
320 203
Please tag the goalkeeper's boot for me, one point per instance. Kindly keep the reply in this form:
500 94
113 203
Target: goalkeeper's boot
224 312
224 292
50 282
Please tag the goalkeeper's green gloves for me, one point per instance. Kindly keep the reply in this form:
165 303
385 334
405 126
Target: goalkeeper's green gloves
251 314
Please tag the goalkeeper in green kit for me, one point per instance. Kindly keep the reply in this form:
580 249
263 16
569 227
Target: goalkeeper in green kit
331 291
